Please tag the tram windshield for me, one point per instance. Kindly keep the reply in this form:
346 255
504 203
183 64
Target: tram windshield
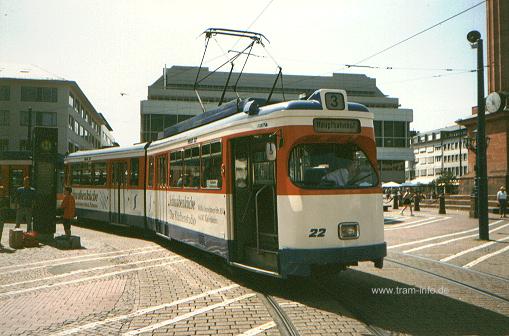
331 166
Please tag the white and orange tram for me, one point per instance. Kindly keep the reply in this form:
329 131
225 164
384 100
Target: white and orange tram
278 189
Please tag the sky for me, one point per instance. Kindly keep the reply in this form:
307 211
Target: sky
121 46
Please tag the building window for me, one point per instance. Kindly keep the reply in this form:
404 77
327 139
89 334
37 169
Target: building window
71 123
4 144
38 94
5 93
46 119
23 144
71 99
4 118
38 118
394 133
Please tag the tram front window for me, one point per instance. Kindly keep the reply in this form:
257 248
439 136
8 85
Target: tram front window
331 166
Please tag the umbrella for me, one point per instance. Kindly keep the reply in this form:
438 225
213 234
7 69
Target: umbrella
390 185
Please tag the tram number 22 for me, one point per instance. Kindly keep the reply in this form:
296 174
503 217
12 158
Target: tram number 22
317 233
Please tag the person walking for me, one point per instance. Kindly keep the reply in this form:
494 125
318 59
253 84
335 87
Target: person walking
502 201
25 198
407 202
69 206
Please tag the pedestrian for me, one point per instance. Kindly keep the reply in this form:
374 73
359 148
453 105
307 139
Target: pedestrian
502 201
407 202
25 198
69 206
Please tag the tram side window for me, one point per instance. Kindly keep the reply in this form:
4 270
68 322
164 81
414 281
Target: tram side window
75 173
86 173
99 170
162 170
211 166
192 167
176 178
135 172
150 172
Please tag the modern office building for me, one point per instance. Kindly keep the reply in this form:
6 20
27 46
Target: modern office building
436 152
26 90
171 99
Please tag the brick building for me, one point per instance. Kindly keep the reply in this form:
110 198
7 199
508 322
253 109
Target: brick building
497 123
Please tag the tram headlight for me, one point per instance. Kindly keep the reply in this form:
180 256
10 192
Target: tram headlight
348 230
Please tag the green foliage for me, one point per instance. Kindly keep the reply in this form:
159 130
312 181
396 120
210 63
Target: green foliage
447 180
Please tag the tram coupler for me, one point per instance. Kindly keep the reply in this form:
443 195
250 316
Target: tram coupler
379 263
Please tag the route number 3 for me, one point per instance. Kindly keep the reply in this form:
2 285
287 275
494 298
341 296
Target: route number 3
316 233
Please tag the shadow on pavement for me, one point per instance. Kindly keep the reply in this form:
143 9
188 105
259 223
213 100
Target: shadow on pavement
354 297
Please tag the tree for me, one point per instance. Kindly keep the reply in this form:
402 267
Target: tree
447 181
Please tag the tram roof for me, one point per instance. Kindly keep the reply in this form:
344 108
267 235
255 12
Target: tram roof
136 148
254 106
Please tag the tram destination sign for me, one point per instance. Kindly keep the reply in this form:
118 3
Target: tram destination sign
337 125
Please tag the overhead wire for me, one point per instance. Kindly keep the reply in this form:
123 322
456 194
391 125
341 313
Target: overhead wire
400 42
419 33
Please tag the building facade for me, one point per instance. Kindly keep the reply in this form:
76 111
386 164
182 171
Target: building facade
497 123
171 99
438 152
31 95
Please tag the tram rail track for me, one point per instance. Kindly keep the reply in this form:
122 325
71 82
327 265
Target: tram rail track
280 317
449 279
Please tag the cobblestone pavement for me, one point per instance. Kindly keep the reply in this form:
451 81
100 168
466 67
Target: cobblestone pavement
443 281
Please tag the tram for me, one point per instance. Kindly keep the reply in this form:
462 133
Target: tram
14 166
281 189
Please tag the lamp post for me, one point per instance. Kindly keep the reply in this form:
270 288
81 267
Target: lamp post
29 139
474 37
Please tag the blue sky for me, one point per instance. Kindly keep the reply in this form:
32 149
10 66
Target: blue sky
115 46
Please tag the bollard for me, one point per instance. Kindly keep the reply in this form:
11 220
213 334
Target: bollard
473 213
395 204
441 207
417 201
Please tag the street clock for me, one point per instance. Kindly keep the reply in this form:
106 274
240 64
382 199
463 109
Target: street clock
495 102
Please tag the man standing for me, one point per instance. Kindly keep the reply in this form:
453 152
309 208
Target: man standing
25 200
502 201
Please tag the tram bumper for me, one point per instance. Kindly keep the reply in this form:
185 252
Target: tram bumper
301 262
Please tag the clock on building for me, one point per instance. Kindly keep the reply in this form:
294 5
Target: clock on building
495 102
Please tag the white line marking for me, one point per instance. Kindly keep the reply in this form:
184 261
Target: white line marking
472 249
409 226
188 315
105 275
413 222
83 260
259 329
76 257
437 237
83 271
144 311
487 256
450 240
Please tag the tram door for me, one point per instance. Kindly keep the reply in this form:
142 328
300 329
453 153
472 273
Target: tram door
254 201
118 193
